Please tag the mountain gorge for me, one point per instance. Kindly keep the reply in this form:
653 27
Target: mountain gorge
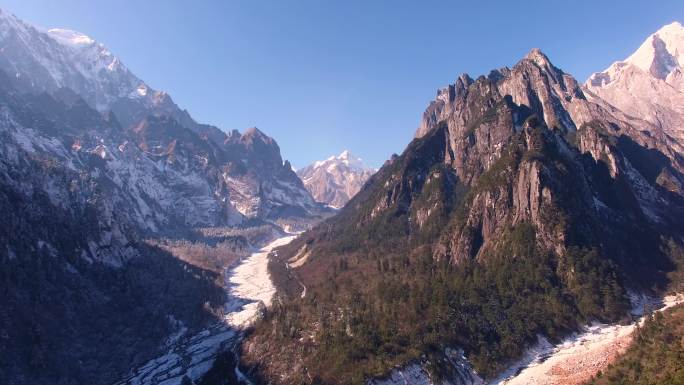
523 208
336 180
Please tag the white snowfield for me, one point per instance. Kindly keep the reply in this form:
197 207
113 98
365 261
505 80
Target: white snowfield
249 289
581 355
251 286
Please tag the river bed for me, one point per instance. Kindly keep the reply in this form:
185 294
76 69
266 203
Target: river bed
249 289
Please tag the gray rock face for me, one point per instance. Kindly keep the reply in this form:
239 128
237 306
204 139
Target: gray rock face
336 180
559 95
481 117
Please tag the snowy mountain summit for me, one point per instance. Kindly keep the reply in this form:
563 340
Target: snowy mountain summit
337 179
649 84
44 61
346 158
48 61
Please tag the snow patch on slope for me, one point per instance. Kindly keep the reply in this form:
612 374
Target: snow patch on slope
581 355
416 373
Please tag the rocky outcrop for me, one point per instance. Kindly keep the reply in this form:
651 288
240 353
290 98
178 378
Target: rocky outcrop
336 180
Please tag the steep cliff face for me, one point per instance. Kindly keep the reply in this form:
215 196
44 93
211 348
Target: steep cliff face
261 184
489 128
649 84
518 201
335 180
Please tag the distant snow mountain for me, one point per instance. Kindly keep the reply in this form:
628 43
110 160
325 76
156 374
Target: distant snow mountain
336 180
649 84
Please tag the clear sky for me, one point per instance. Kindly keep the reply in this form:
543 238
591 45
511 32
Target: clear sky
322 76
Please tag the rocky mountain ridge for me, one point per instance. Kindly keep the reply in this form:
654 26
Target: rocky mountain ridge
244 174
526 205
513 175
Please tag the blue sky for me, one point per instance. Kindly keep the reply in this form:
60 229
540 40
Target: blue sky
323 76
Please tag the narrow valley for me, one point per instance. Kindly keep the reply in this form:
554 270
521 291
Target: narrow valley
248 292
522 225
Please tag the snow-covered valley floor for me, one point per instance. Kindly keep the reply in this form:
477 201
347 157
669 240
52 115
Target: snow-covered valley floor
580 356
250 286
249 289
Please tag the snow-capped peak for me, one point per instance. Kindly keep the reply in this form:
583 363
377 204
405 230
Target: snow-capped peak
345 158
351 161
336 179
661 56
649 84
662 52
70 38
62 58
